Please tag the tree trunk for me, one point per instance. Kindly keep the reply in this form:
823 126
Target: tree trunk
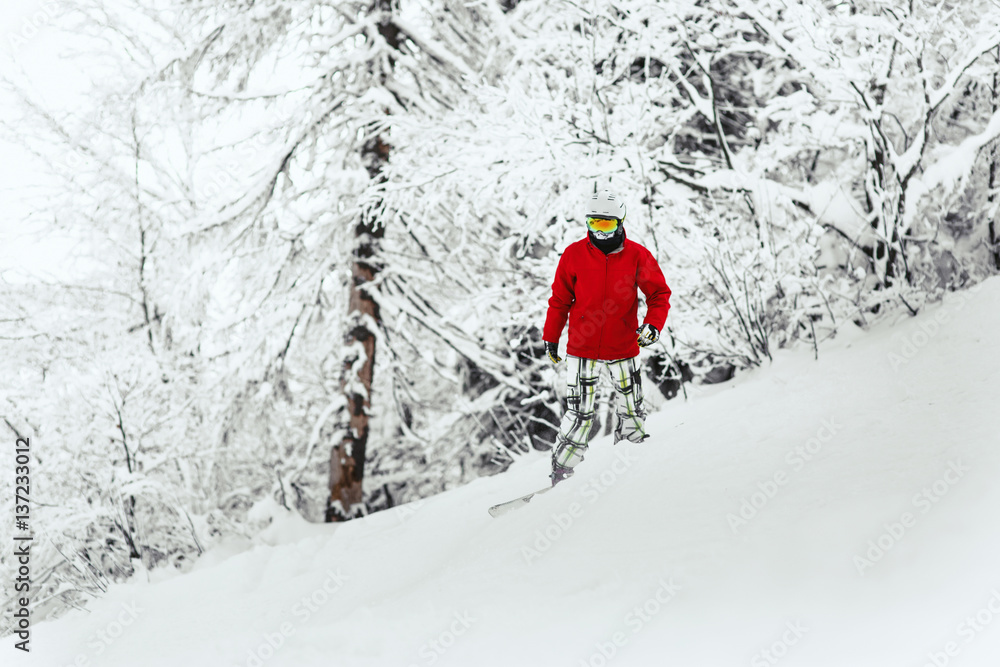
994 239
347 459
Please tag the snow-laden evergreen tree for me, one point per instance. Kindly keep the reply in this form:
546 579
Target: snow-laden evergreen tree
216 191
356 67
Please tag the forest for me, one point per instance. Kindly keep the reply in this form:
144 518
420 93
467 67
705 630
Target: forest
313 242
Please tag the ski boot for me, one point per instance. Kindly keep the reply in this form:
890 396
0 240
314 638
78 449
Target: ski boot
559 473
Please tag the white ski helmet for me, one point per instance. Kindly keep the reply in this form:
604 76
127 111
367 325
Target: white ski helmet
605 204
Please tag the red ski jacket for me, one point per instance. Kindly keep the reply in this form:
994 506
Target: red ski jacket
597 294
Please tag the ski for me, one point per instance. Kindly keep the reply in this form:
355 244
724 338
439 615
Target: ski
511 505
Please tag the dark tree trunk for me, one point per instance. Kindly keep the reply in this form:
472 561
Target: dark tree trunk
347 459
994 240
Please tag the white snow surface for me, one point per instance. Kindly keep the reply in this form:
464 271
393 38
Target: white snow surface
639 559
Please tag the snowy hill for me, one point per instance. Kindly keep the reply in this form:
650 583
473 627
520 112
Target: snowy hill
839 512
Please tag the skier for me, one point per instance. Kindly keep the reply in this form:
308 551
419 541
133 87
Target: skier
595 289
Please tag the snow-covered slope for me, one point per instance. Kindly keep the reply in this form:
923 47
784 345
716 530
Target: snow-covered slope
834 512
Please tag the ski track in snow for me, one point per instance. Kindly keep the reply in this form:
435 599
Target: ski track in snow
644 557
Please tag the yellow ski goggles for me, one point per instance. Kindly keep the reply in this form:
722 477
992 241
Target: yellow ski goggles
603 225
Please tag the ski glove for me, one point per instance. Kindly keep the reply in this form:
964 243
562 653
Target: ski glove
648 334
552 349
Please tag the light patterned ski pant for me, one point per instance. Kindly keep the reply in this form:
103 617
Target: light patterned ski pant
578 421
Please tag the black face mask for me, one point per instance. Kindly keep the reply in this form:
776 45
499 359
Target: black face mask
608 245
